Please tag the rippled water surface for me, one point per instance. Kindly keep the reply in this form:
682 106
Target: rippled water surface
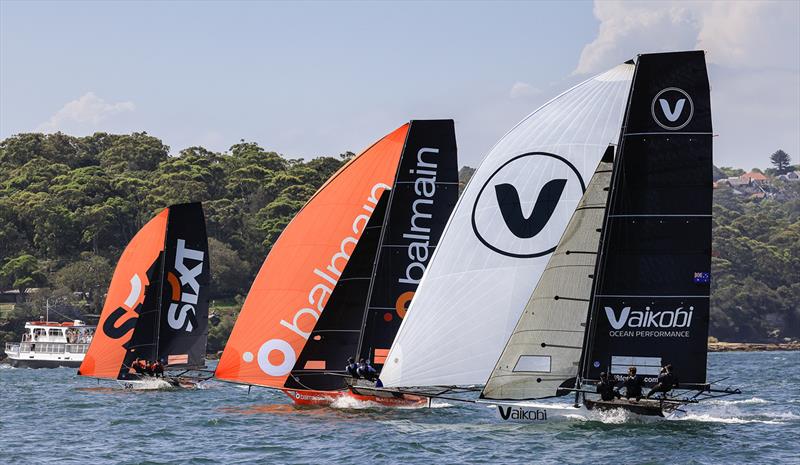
54 417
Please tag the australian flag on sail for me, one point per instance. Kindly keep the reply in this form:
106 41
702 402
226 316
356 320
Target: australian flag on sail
702 277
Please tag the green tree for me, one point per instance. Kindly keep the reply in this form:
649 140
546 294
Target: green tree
781 160
22 273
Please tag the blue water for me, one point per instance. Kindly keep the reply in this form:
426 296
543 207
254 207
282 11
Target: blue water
54 417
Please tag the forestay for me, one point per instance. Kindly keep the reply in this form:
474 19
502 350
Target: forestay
500 237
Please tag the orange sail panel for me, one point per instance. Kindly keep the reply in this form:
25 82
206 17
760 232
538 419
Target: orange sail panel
303 267
126 293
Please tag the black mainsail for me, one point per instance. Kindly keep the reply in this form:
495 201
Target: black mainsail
650 304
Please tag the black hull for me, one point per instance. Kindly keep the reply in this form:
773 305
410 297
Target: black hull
652 408
43 363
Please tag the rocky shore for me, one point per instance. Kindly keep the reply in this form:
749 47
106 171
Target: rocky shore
751 346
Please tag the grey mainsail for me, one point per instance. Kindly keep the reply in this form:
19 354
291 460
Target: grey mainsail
545 348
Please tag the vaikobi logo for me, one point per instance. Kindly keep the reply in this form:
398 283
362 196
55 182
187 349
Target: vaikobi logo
672 108
678 318
523 207
519 413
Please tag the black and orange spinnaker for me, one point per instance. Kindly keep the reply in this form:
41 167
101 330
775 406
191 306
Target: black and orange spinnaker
157 303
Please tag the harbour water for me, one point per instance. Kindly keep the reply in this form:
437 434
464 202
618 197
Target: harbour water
54 417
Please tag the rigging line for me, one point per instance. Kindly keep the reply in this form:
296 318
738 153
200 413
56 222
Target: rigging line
558 297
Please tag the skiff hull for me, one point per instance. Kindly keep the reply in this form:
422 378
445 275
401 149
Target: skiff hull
326 398
646 407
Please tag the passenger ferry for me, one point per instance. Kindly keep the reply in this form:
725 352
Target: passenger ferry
48 344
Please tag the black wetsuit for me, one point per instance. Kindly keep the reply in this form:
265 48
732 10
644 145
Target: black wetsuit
666 381
352 369
633 387
606 389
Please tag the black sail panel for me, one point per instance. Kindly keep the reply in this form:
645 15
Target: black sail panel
183 324
651 301
336 333
424 195
144 338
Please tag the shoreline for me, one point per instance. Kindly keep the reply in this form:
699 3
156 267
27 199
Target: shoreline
752 346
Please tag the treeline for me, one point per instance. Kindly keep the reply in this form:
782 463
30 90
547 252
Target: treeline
69 205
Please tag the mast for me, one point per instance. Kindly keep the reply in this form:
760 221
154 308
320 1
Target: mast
598 277
162 278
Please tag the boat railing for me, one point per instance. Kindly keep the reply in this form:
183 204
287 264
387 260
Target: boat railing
12 347
47 347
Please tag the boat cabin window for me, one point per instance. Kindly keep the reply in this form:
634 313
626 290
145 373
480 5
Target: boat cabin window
40 331
55 332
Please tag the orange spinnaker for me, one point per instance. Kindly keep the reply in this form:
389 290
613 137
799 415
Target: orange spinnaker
301 270
127 289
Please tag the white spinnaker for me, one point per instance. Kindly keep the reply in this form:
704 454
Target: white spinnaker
545 347
482 274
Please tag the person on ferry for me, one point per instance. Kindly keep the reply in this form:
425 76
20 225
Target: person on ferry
632 385
666 381
351 368
606 387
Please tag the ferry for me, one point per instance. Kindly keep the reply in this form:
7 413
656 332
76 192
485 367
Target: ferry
49 344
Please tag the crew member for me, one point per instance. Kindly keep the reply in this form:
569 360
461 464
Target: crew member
666 381
157 368
351 368
369 372
632 384
139 366
606 387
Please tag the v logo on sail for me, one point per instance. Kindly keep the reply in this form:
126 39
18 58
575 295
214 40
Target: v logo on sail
511 208
612 317
672 115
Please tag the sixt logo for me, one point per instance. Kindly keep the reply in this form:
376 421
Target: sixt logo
181 313
111 326
672 108
678 318
516 413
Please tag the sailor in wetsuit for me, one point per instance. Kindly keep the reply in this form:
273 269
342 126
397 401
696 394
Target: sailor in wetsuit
351 368
632 384
366 371
157 368
666 381
138 366
606 387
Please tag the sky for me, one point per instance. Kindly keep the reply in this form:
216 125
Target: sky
307 79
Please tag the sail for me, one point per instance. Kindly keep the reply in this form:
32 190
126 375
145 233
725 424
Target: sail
336 334
143 318
651 301
183 319
304 265
501 234
545 348
424 195
363 322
